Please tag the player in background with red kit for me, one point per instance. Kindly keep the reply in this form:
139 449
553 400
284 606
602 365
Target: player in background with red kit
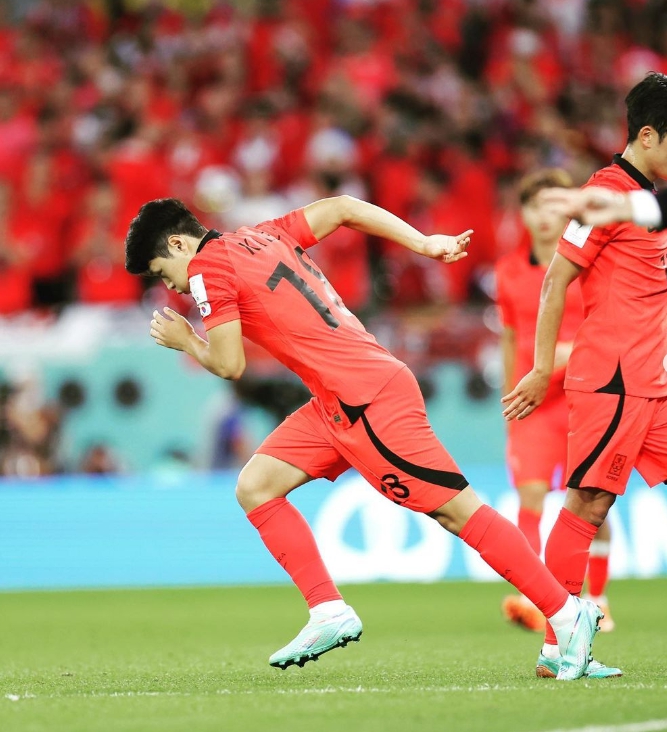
367 411
537 449
616 381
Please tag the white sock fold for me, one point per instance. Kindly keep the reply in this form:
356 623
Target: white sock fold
551 652
565 615
330 608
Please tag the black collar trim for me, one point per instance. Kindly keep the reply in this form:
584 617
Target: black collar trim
212 234
630 169
532 259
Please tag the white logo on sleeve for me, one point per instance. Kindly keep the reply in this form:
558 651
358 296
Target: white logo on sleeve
577 233
198 291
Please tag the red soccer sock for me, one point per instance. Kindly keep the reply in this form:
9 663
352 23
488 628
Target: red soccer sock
598 568
529 523
504 548
566 554
290 540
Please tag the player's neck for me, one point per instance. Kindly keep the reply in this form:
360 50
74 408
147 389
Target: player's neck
635 156
543 252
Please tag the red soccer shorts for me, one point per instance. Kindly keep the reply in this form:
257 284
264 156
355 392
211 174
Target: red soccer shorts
612 433
390 442
537 446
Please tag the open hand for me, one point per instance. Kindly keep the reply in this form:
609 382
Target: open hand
171 330
447 248
526 396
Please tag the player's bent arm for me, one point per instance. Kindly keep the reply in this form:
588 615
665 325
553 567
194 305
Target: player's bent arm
223 353
328 214
561 273
508 350
529 393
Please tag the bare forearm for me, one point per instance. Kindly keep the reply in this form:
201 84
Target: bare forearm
549 319
370 219
200 350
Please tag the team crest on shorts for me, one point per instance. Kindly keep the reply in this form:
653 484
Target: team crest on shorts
616 467
205 309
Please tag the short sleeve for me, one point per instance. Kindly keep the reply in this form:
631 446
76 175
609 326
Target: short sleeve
294 223
582 243
213 285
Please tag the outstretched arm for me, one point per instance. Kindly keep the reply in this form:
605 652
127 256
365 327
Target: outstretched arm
529 393
601 206
328 214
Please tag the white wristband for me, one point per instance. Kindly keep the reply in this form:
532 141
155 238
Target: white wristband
645 209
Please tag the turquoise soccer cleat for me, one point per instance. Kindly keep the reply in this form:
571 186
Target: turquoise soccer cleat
321 634
548 668
576 640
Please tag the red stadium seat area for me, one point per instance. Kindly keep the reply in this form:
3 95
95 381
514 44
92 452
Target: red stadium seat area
429 109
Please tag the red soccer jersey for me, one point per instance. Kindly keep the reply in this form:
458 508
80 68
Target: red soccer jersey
519 280
621 348
263 276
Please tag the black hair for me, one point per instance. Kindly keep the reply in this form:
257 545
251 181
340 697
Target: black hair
647 105
151 228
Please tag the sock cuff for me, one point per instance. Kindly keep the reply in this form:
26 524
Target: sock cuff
576 523
263 513
600 548
477 525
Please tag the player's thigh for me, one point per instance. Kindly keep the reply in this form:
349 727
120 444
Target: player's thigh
537 447
607 432
652 459
394 447
298 450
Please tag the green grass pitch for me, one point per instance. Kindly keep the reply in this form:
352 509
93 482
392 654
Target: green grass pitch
432 657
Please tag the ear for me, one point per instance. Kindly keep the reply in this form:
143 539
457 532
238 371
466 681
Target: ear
177 245
647 136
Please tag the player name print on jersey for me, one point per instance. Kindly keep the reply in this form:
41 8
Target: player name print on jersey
253 243
577 233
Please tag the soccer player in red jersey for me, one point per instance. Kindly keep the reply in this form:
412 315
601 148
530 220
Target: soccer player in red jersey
537 449
366 412
616 379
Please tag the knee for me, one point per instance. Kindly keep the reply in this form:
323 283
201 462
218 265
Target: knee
597 514
249 489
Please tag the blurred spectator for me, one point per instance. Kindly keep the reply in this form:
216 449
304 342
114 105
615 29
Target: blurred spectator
16 291
97 253
29 430
98 459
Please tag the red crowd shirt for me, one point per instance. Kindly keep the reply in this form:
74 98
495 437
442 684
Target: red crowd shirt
519 280
263 276
621 348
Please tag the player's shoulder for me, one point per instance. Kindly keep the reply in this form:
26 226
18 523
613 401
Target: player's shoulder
213 255
612 176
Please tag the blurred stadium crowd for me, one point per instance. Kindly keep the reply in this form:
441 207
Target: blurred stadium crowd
433 109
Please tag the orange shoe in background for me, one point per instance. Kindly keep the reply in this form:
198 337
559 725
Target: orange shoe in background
521 611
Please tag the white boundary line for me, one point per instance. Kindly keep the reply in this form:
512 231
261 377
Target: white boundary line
661 723
651 725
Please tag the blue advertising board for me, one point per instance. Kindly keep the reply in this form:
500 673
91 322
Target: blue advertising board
154 530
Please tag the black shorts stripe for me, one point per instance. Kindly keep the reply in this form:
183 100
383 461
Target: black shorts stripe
578 473
444 478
